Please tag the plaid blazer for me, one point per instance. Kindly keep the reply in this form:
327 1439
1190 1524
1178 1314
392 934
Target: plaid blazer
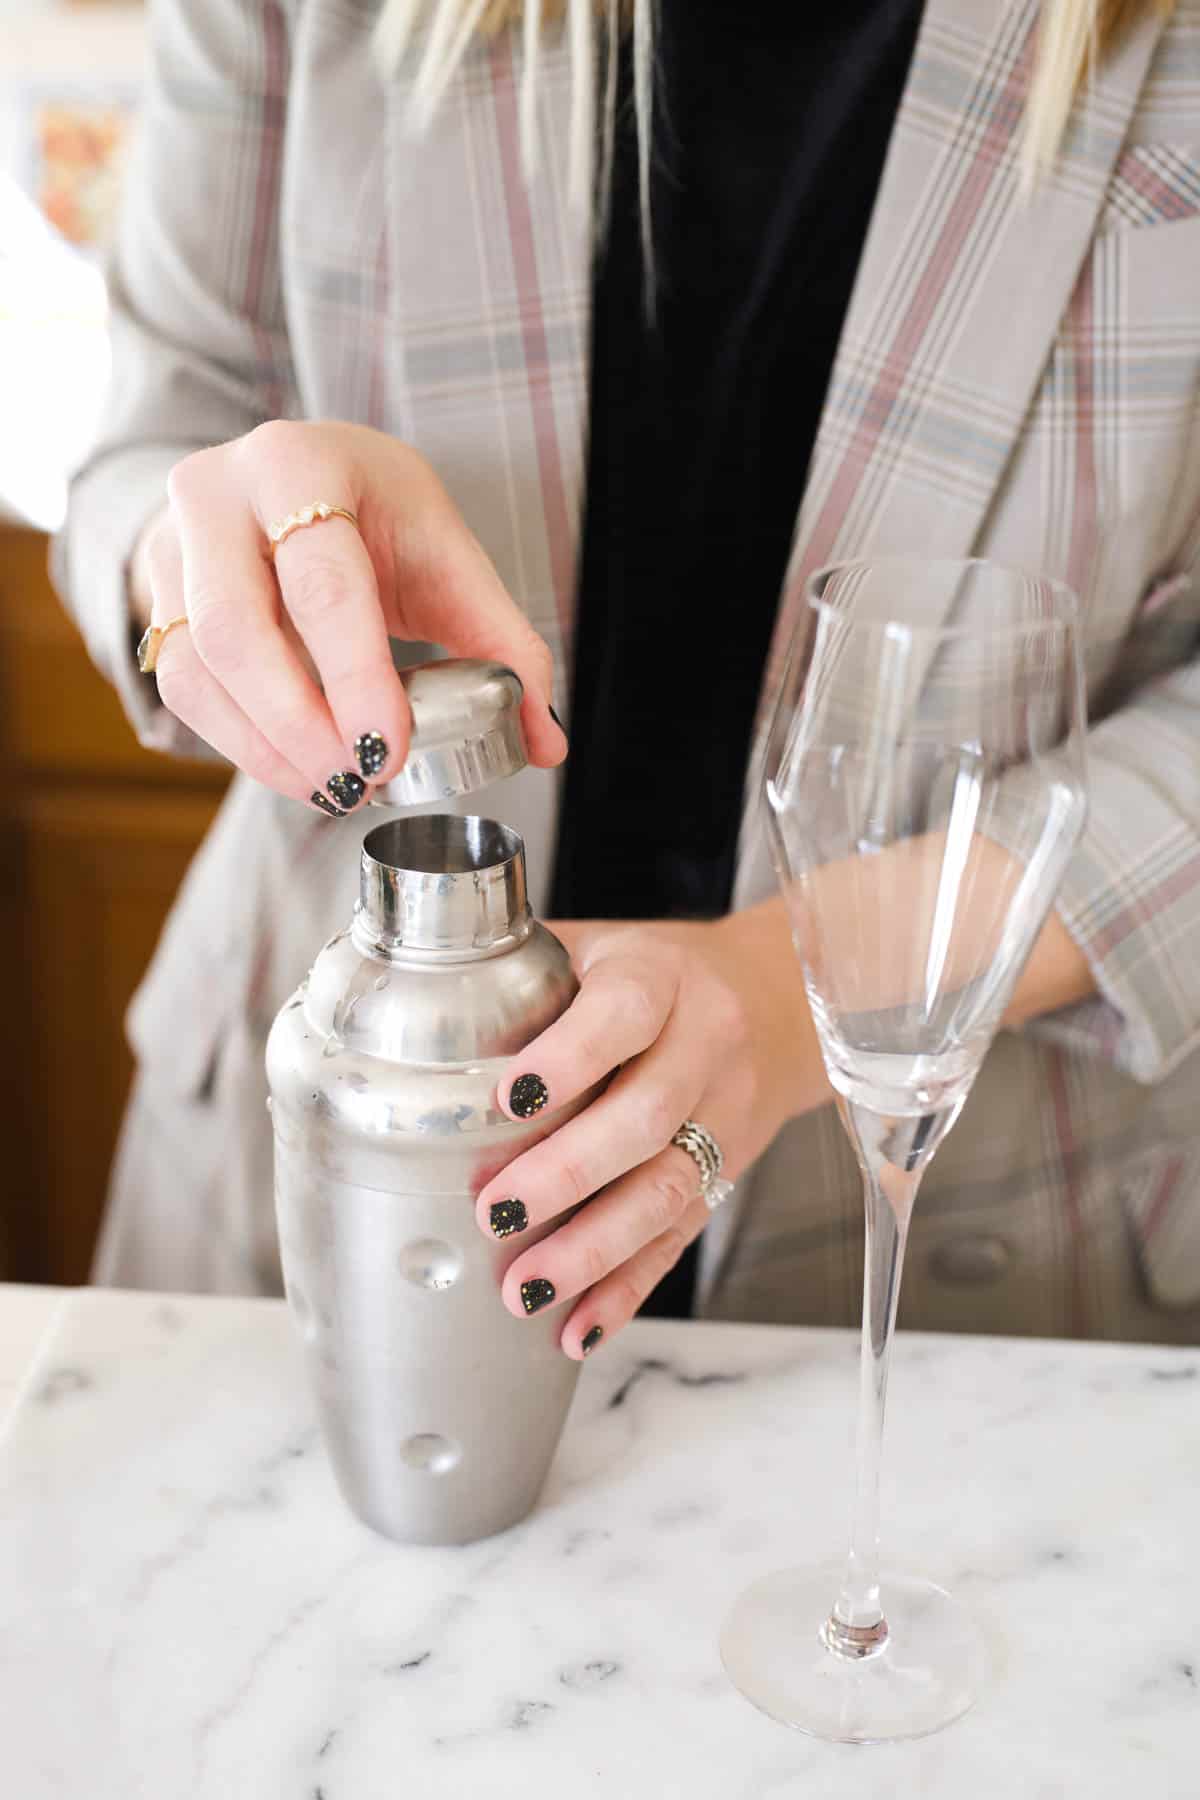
1016 378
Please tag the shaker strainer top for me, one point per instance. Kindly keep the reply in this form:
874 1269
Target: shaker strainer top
466 731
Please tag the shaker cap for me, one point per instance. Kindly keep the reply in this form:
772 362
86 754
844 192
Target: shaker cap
466 731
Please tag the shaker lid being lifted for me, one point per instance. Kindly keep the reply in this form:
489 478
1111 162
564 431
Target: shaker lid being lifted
466 731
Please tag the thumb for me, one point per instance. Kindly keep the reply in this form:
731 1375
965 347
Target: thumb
453 596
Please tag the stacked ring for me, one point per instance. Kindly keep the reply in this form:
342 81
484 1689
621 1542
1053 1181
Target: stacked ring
700 1144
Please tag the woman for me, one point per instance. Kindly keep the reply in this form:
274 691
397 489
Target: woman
875 237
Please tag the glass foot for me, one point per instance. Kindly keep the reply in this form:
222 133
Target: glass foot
927 1673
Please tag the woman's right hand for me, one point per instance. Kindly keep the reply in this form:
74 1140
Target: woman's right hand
285 668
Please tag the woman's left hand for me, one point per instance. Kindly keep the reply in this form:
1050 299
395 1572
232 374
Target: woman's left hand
702 1021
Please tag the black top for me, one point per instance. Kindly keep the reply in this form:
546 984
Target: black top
771 125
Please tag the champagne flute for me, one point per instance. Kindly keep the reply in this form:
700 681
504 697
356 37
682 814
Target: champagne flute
925 788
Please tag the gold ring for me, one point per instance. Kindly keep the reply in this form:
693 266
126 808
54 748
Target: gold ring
308 515
150 645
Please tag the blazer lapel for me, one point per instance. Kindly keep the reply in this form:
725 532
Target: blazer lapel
962 286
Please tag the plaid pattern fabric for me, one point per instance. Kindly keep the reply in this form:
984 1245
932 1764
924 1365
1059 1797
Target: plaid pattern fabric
1015 379
1153 184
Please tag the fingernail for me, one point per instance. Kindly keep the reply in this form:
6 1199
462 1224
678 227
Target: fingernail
536 1293
507 1216
528 1095
592 1339
558 721
347 788
326 806
372 752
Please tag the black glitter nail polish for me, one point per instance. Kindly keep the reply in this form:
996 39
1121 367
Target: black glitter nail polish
372 752
536 1293
528 1095
508 1216
592 1339
326 806
347 788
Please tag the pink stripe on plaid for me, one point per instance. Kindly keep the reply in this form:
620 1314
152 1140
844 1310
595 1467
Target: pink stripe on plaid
269 144
559 536
1167 202
1068 1145
1083 505
983 169
1142 908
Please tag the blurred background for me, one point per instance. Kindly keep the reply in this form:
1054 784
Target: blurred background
95 831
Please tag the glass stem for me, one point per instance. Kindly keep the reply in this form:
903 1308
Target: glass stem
893 1155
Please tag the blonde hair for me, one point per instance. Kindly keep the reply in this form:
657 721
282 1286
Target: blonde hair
1073 37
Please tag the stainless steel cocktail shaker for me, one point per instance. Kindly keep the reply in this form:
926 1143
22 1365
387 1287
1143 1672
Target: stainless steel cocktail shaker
440 1410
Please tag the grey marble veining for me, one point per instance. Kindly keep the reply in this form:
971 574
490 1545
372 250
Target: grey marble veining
187 1610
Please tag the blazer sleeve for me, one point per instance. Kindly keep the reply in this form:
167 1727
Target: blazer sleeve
199 343
1131 894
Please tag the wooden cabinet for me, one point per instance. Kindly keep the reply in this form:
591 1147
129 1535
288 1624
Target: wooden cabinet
95 835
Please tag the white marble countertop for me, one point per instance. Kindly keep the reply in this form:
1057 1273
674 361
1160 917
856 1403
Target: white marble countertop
187 1610
25 1315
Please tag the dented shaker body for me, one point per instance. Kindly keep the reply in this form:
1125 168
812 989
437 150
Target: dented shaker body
440 1410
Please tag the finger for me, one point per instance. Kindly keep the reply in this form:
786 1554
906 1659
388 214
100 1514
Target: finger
187 689
600 1251
330 593
198 700
607 1234
623 1003
233 608
614 1302
447 590
633 1120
